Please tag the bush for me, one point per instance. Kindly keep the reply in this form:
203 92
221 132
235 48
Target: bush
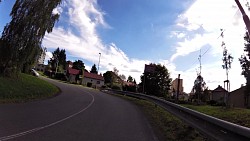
60 76
212 102
116 87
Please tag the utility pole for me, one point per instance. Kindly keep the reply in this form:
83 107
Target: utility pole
99 61
200 62
178 87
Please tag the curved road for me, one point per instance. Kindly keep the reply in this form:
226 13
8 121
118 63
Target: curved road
78 113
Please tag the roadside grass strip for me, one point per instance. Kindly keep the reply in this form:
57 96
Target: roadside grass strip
238 116
25 88
166 126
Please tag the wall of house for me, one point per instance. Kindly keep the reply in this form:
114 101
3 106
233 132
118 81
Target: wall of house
94 82
237 98
218 96
72 78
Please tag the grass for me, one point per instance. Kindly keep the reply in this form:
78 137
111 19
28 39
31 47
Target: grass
25 88
235 115
165 125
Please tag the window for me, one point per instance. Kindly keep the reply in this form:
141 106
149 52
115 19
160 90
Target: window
98 82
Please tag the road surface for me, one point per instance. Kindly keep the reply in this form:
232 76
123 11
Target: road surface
78 113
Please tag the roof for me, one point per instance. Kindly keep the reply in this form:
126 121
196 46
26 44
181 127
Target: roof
73 71
93 76
219 89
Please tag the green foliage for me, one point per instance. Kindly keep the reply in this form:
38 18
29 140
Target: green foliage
25 88
22 37
79 65
199 88
130 79
94 69
158 82
116 86
234 115
58 61
129 88
109 77
245 65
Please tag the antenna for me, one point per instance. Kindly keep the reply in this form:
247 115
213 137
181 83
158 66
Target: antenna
200 62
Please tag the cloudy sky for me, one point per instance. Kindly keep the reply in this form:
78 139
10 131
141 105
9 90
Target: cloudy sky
132 33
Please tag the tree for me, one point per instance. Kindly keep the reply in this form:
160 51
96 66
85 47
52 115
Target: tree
199 87
94 69
123 77
245 65
109 77
130 79
156 82
116 71
22 37
134 81
58 60
79 65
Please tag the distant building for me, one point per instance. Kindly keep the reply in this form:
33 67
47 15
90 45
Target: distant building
238 98
41 58
72 75
218 94
174 87
92 80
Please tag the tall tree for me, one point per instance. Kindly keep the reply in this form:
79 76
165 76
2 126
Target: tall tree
109 77
245 65
157 82
58 60
130 79
199 87
22 37
94 69
123 77
79 65
116 71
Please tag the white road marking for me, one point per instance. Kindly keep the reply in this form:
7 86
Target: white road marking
49 125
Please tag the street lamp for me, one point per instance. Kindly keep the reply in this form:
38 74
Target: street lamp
99 61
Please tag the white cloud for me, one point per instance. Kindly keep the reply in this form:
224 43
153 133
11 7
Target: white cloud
203 21
85 17
198 26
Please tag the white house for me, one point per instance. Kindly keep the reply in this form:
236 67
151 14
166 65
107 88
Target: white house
92 80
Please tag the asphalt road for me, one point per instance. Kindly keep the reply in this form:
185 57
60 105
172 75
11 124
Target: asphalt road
78 113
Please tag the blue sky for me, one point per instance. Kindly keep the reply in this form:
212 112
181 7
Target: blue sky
131 33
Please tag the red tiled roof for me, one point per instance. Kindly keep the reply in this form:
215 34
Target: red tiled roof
73 71
93 76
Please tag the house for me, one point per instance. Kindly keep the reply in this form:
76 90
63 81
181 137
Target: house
218 94
238 98
92 80
41 67
72 75
174 87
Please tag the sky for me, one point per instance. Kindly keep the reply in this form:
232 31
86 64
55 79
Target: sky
132 33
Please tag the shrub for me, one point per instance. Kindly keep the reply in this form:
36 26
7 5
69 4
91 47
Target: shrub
116 87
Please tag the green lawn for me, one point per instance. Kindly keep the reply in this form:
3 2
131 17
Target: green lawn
234 115
25 88
165 125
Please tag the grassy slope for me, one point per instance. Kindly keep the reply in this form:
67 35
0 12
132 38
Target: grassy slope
25 88
166 126
234 115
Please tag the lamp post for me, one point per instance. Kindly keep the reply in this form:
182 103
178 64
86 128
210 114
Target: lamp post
99 61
